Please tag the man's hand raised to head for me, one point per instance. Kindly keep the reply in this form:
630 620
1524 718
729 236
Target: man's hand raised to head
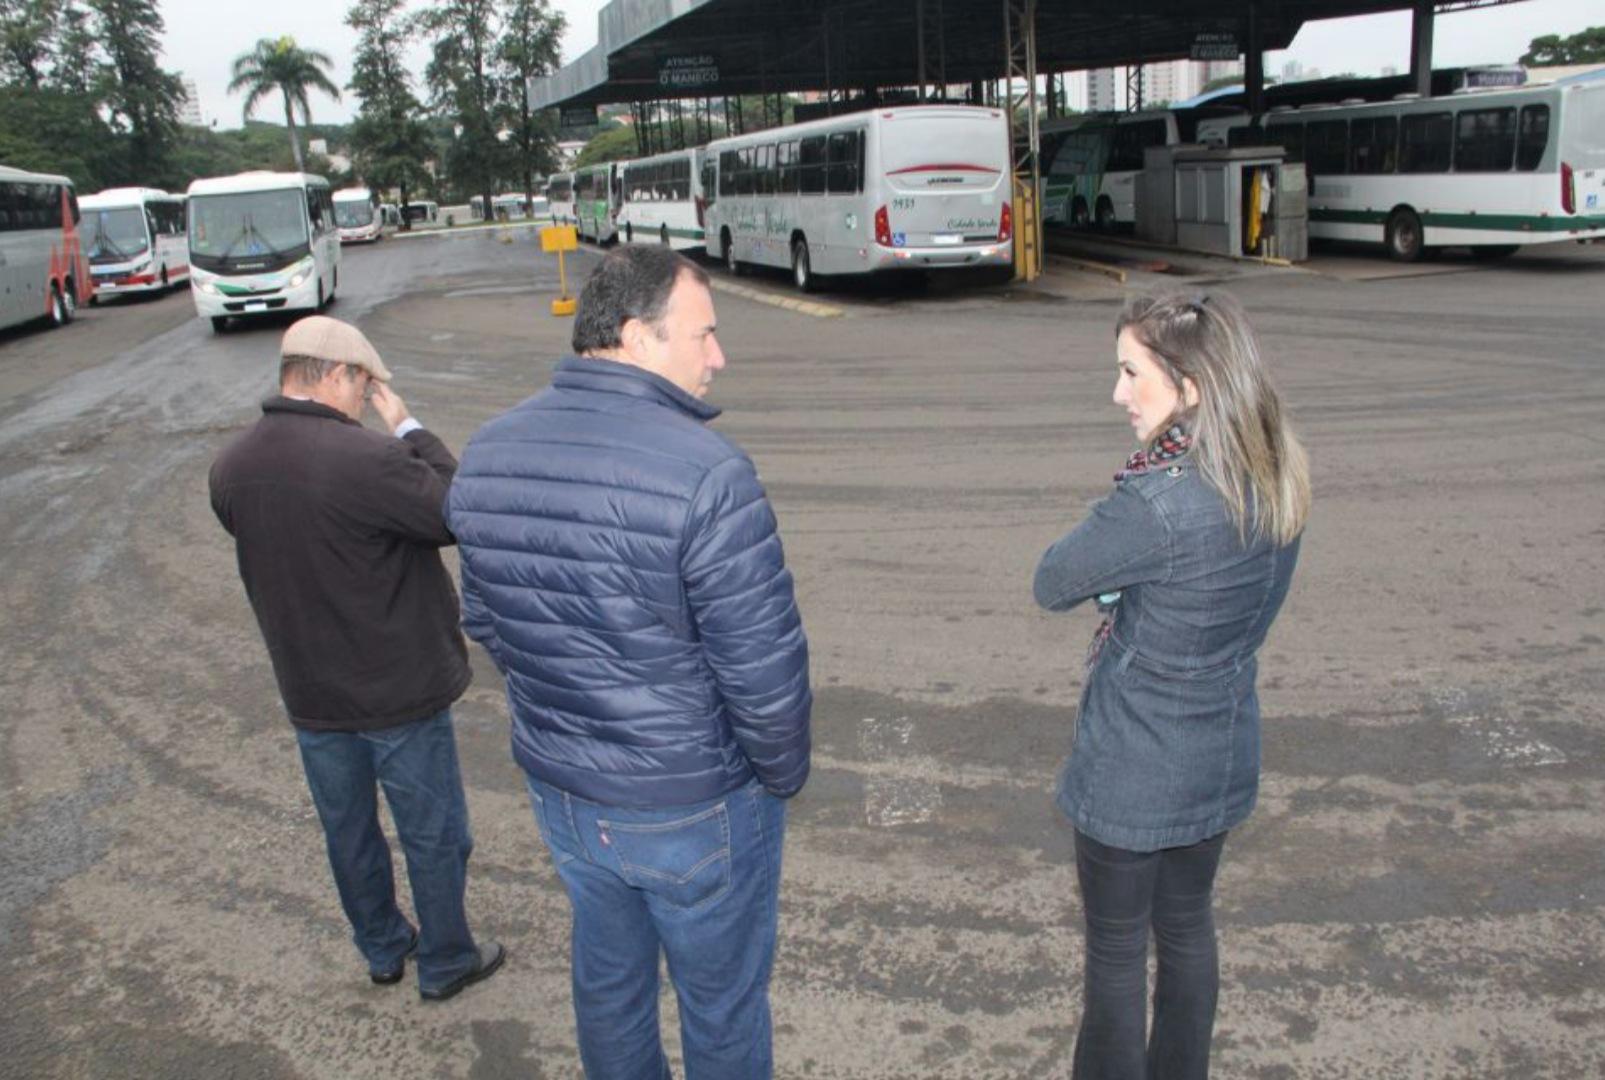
388 404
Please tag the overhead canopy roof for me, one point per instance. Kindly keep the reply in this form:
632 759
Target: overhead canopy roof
655 49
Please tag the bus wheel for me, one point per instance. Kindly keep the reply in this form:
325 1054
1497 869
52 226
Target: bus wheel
1106 214
663 235
219 324
731 263
59 315
802 271
1404 236
1079 218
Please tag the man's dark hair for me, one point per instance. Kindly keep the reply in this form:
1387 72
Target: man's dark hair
632 283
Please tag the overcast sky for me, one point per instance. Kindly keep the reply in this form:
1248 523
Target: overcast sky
204 36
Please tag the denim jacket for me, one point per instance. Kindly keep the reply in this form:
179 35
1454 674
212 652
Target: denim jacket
1167 743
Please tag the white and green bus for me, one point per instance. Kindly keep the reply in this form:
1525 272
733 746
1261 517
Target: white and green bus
134 238
663 202
1490 170
262 242
598 194
917 187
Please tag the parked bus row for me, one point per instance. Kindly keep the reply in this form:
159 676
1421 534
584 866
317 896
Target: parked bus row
1489 169
925 187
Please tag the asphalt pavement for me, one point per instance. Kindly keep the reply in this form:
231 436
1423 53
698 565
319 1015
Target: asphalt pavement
1419 893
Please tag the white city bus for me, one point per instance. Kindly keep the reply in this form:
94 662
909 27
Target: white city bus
924 187
598 191
357 216
262 242
1486 169
43 271
663 200
560 197
134 238
1090 163
421 211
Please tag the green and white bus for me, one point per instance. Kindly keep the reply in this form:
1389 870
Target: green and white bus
663 201
598 195
1486 169
262 242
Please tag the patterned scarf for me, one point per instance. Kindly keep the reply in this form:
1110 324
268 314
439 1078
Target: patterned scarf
1168 445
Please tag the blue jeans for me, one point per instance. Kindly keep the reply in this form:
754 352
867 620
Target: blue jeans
1124 893
416 764
699 883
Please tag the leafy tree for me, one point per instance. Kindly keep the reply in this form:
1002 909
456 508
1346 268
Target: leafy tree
285 67
27 31
390 142
49 131
529 48
1584 47
461 85
141 99
76 67
615 144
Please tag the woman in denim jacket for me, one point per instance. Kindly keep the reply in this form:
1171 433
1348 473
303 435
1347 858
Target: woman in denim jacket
1189 559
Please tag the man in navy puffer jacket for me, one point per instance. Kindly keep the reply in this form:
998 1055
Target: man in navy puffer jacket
621 566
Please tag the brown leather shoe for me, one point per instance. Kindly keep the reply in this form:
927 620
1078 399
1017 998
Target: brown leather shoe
491 955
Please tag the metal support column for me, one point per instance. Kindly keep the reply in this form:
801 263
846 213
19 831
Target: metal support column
1020 70
1254 63
1134 78
1421 24
919 46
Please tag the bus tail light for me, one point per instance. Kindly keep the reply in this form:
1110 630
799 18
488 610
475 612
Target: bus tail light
883 228
1568 189
1006 224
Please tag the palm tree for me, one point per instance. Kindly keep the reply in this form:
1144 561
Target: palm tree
284 66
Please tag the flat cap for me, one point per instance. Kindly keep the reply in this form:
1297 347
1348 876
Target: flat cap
318 337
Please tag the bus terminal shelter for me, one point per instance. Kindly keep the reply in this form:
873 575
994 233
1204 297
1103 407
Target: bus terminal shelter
679 64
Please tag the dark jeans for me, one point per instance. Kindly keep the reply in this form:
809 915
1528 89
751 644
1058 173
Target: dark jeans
1125 892
416 764
698 884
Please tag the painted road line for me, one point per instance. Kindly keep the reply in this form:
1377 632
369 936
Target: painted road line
790 303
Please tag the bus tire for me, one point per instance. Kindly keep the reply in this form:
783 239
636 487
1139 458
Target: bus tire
663 235
1105 214
731 263
219 324
58 307
1079 218
802 270
1403 236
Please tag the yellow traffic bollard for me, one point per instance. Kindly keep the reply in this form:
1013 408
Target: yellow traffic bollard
561 238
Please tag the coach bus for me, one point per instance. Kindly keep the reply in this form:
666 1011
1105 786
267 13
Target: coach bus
598 194
43 271
919 187
134 239
262 242
1490 169
357 216
663 202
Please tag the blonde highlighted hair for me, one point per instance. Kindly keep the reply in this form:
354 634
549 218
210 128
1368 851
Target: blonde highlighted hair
1242 441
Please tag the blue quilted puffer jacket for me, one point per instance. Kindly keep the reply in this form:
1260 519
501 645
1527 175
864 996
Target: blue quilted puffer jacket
621 565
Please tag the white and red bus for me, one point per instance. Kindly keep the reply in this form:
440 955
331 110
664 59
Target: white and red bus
134 238
43 271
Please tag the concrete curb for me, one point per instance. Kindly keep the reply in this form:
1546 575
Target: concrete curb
458 230
802 307
1093 267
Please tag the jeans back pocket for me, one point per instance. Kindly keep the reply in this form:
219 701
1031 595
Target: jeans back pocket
684 862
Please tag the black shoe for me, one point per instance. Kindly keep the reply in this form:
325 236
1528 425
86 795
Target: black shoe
491 955
390 978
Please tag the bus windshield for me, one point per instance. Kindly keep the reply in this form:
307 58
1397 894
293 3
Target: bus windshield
353 215
114 235
260 226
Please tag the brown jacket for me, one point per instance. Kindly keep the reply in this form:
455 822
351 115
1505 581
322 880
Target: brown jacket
338 531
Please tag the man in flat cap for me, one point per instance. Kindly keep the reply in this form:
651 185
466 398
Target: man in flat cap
338 531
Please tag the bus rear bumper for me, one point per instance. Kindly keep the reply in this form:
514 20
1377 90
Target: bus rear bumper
940 258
